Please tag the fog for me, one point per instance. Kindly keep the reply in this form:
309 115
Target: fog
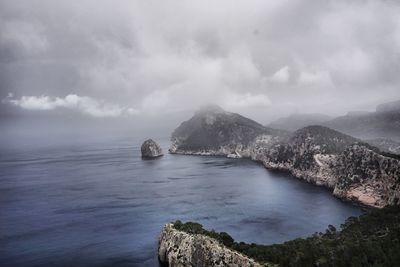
143 66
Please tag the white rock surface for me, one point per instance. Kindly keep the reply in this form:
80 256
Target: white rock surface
180 249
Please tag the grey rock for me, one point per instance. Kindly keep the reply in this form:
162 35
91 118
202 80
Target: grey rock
150 149
180 249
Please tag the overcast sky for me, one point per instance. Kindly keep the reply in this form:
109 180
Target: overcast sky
264 59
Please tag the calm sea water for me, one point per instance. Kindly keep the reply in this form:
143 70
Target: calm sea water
100 204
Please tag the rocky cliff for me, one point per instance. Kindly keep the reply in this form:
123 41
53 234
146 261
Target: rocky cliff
309 154
180 249
352 169
365 175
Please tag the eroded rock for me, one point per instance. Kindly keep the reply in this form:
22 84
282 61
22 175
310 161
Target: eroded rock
180 249
150 149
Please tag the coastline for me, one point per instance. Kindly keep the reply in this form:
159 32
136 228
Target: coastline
292 173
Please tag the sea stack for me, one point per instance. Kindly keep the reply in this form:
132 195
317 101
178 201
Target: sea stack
150 149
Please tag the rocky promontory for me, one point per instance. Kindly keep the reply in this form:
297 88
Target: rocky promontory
150 149
372 239
179 249
214 131
352 169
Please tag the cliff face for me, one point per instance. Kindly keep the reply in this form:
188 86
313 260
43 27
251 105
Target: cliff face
180 249
367 176
309 154
353 170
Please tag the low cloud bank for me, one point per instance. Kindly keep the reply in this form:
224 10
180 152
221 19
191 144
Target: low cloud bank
83 104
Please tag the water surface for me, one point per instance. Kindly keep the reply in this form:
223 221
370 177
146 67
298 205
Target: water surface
100 204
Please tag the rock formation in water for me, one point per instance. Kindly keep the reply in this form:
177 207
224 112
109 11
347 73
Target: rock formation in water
181 249
150 149
352 169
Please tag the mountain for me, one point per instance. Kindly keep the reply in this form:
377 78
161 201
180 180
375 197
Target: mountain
393 106
355 170
383 123
351 168
214 131
297 121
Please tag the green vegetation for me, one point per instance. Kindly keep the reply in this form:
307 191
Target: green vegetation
372 239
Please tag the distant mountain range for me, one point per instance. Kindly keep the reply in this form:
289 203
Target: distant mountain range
297 121
384 123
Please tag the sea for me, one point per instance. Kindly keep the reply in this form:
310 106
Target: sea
98 203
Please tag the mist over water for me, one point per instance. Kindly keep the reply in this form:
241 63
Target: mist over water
97 203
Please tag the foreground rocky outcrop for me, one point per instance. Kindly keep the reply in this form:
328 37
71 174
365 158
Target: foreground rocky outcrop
353 170
372 239
150 149
180 249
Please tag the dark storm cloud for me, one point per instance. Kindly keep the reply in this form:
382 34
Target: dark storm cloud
261 58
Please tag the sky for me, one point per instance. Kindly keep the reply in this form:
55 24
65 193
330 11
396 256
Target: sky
96 60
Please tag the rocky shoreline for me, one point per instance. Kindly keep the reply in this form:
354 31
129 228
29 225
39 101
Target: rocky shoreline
180 249
353 170
362 194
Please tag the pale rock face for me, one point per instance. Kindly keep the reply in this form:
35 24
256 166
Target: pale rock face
150 149
180 249
368 177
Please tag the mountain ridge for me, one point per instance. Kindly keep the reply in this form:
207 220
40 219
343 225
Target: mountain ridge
316 154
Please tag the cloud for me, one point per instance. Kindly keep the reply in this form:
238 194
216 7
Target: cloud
316 78
247 100
315 55
281 76
83 104
27 37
